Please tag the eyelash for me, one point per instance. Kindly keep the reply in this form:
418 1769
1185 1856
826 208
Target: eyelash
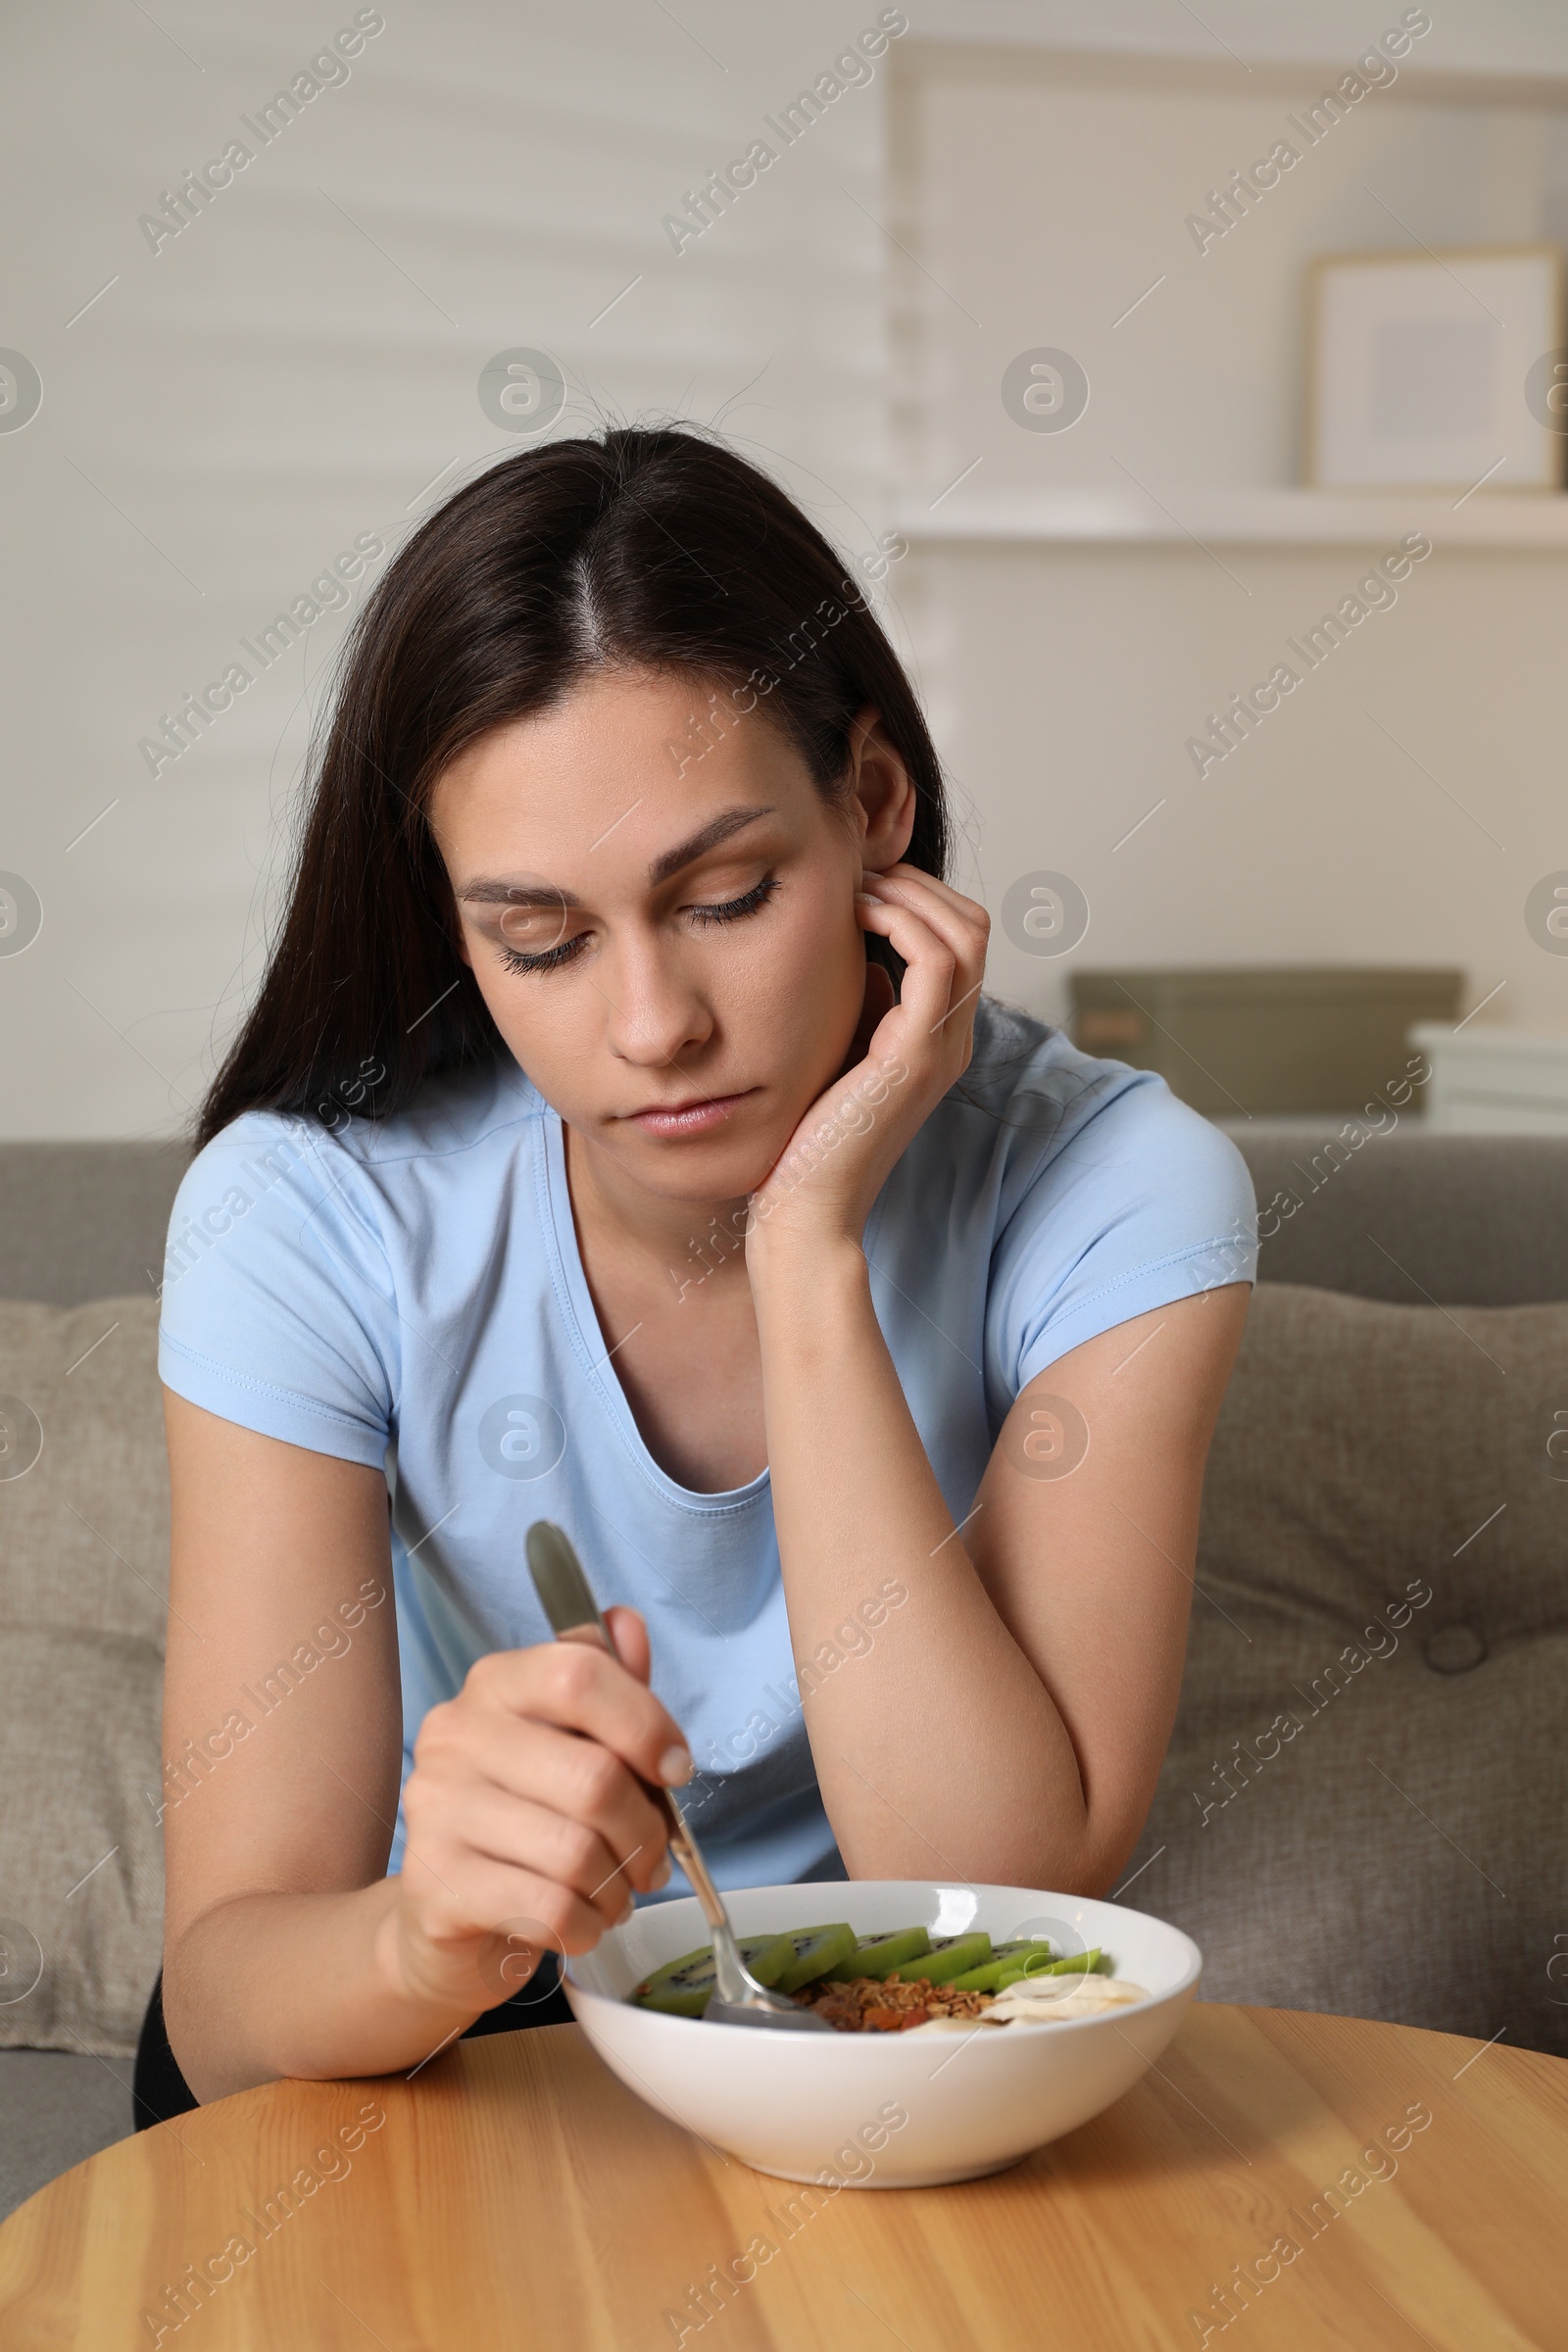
735 910
731 910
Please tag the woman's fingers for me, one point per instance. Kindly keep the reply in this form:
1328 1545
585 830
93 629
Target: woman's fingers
528 1808
580 1687
927 1037
486 1898
963 926
574 1779
502 1827
628 1630
943 894
942 974
540 1767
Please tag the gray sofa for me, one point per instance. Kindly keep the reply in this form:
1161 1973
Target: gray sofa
1362 1808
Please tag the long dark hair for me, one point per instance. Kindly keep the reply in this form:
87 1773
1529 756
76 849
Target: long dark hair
656 548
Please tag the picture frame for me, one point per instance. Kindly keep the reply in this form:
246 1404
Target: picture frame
1433 369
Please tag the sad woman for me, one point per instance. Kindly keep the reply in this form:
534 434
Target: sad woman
643 1154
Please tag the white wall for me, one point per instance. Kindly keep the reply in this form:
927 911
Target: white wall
1039 197
238 407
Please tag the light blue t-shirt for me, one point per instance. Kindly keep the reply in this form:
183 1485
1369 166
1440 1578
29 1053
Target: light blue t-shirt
409 1294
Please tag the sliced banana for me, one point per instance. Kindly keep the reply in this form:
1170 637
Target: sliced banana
1016 2007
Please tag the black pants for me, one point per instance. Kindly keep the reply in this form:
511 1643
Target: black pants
159 2090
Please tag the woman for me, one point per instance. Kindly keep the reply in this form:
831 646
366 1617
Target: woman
621 1136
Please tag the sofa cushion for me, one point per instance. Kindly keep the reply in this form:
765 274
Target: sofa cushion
1364 1807
81 1847
1378 1205
85 1220
85 1526
84 1573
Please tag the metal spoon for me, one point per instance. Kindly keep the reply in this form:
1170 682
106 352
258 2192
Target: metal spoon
737 1999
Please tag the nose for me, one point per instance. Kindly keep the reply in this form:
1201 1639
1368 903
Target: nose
656 1014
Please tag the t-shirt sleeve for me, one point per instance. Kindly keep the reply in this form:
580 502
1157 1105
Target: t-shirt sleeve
277 1307
1145 1204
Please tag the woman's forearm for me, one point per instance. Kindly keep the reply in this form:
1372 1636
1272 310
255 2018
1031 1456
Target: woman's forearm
271 1985
939 1748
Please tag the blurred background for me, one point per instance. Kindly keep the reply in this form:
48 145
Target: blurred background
1016 302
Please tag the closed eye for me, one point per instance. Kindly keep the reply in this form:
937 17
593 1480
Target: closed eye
727 911
733 911
547 961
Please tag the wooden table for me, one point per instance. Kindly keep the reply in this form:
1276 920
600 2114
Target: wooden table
515 2195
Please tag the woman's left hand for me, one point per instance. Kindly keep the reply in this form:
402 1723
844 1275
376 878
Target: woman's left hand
842 1153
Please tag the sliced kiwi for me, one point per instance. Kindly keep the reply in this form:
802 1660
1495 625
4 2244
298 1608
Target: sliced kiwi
1022 1969
949 1956
879 1955
1021 1956
1082 1964
812 1952
681 1988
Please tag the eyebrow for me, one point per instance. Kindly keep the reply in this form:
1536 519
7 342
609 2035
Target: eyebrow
489 891
717 829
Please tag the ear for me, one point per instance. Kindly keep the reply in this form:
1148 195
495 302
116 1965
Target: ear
884 797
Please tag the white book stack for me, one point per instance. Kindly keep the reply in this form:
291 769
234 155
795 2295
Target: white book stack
1494 1081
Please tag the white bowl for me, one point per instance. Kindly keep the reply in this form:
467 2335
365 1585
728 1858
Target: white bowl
884 2110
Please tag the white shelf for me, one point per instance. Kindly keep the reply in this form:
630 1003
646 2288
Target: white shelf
1496 1080
1240 518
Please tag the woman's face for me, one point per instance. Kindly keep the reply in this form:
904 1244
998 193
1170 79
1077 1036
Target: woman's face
666 935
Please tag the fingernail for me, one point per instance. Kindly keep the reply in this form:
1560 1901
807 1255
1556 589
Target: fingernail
628 1908
662 1873
675 1767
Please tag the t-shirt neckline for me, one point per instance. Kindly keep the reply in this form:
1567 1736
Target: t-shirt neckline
571 1282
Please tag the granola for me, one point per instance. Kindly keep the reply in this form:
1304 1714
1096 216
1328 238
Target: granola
884 2006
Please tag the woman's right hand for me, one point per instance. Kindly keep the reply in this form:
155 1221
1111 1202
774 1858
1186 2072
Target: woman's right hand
528 1827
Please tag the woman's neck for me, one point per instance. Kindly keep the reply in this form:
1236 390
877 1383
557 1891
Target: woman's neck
668 1284
620 1220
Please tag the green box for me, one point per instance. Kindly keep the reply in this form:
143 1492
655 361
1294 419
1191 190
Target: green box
1270 1038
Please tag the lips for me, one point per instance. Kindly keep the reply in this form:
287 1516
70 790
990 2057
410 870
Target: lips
699 1116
